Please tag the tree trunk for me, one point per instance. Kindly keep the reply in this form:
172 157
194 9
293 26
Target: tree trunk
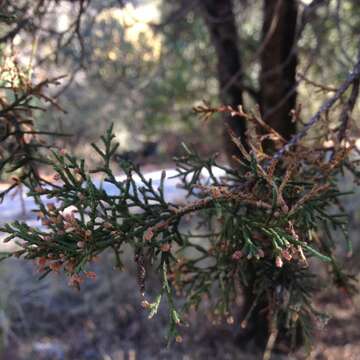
220 20
278 97
278 65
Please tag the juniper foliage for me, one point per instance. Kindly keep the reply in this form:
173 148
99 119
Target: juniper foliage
262 226
20 142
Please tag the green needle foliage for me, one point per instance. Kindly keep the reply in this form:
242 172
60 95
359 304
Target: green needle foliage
261 224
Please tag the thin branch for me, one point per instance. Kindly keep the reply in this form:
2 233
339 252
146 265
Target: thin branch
316 84
354 76
347 109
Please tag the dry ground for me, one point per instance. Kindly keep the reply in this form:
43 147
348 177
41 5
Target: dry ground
47 320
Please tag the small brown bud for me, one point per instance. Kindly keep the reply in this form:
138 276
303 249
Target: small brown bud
179 339
286 255
237 255
230 320
41 261
216 192
75 280
149 234
55 266
145 304
80 244
278 262
295 316
90 275
79 178
51 206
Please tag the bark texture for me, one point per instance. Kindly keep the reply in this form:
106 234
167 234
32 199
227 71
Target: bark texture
278 60
278 65
220 20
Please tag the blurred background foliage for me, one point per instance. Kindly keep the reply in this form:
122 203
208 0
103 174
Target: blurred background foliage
144 64
143 77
